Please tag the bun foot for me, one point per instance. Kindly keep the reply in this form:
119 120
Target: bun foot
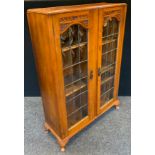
62 149
117 107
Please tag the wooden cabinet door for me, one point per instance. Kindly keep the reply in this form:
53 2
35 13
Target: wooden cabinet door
76 42
111 32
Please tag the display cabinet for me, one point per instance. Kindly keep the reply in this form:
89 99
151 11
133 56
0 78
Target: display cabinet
77 51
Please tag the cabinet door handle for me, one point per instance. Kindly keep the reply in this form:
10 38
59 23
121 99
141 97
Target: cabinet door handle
91 75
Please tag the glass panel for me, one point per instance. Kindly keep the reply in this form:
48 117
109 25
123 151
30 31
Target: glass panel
109 49
74 55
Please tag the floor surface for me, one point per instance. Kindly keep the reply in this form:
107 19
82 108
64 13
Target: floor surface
108 135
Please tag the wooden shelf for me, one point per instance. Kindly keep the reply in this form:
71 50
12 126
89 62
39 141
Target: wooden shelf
112 50
77 110
110 35
74 88
107 79
107 91
72 65
75 81
107 68
64 49
108 41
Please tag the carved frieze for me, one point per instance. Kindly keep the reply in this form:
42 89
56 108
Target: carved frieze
64 26
65 22
73 18
84 23
112 12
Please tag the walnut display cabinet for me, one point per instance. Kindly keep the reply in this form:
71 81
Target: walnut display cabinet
78 51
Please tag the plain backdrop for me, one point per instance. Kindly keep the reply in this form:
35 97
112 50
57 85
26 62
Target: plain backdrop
31 87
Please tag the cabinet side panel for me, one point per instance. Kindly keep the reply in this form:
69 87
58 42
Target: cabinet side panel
120 50
45 62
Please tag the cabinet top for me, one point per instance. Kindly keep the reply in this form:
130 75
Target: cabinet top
71 8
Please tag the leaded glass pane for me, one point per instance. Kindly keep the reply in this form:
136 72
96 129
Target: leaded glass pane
108 59
75 68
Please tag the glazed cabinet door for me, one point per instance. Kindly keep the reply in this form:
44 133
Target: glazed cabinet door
74 39
111 32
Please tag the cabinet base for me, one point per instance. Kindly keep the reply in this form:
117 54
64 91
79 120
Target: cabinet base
63 142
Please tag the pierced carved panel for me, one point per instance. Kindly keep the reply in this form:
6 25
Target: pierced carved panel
66 22
73 18
65 26
84 23
108 15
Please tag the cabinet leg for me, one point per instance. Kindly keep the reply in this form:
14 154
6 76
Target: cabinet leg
117 107
62 144
62 149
